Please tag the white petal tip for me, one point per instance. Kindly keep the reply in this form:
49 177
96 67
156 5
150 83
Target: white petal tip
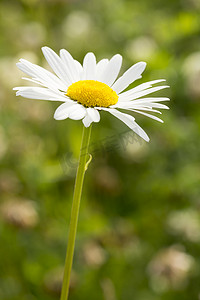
58 118
86 125
45 48
118 55
145 137
143 64
62 51
165 99
90 53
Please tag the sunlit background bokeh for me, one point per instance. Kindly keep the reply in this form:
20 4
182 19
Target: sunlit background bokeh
139 227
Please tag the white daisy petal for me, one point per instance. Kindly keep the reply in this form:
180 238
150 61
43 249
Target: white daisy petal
77 113
62 112
145 109
100 68
156 105
89 66
139 88
129 121
147 115
129 76
148 109
112 70
92 115
40 94
43 84
87 121
131 95
151 99
73 67
134 104
73 111
130 105
43 76
57 65
149 102
79 69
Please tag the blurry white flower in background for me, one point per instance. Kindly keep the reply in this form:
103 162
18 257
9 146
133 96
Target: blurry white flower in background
191 71
132 148
170 268
93 254
185 223
20 213
32 35
143 47
77 24
53 280
9 70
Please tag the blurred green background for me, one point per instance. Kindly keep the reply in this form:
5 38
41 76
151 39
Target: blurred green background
139 227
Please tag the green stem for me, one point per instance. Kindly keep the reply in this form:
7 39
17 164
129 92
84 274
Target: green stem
82 167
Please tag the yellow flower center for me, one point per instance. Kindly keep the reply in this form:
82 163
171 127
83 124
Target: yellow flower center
92 93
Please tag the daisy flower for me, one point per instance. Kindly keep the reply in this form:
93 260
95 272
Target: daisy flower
92 87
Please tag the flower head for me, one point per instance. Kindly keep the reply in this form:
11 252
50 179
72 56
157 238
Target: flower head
92 87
